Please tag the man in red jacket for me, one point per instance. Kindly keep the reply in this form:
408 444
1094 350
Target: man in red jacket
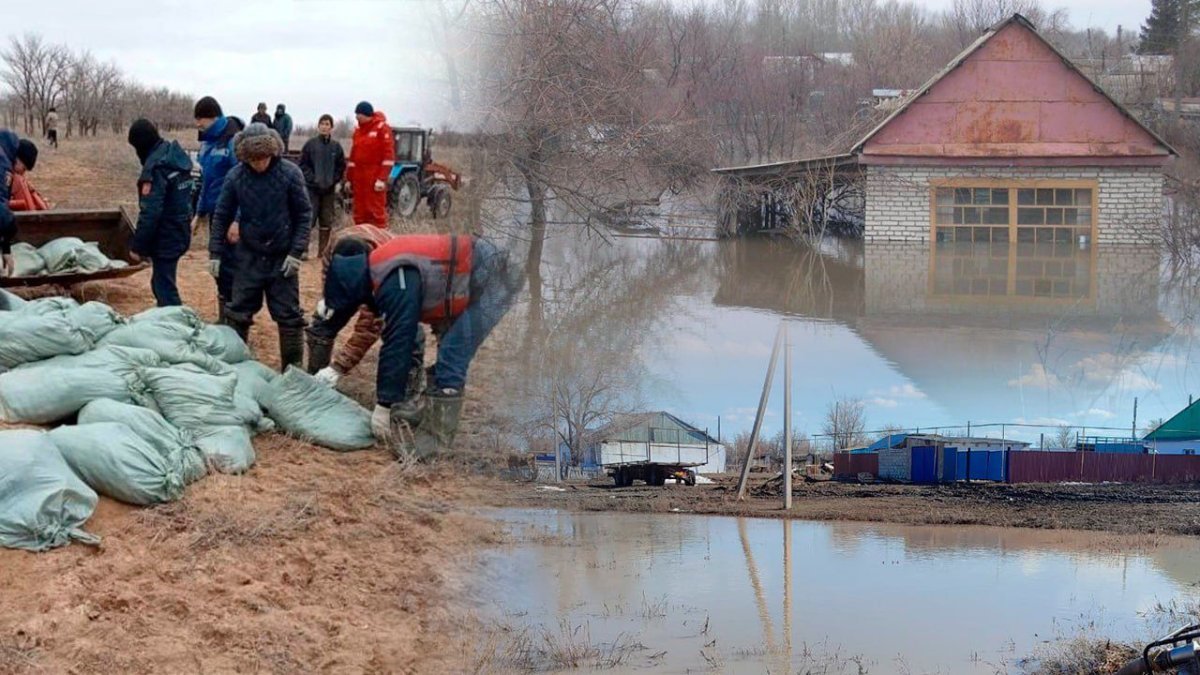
371 159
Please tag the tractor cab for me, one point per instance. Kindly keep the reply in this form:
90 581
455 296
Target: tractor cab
416 176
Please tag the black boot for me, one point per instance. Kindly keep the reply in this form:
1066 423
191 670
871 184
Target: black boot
320 351
291 347
322 241
241 328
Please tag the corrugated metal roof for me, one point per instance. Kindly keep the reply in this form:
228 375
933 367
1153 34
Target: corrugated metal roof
974 47
844 159
1184 426
630 427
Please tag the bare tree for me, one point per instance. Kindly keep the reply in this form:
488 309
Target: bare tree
36 73
845 421
1064 437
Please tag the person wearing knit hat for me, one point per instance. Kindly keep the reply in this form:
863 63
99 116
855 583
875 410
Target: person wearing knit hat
216 158
372 156
260 116
162 234
269 197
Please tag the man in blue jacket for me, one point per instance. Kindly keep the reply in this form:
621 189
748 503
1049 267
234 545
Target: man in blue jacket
216 158
164 201
8 226
283 124
269 194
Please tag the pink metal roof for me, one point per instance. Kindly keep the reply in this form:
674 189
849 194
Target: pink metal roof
1012 95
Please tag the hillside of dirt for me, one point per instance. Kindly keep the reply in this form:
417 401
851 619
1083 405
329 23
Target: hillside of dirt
312 561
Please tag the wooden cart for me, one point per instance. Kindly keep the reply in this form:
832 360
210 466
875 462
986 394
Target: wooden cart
110 228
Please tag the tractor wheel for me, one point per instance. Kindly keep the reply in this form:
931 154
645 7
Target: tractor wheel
405 195
439 202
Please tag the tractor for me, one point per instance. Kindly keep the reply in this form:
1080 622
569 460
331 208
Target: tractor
416 176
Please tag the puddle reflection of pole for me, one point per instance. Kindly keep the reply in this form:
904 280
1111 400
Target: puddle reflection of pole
787 589
763 615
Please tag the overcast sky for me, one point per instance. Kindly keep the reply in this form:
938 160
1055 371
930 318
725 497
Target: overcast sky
316 56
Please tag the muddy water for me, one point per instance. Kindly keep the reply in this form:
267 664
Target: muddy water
1032 336
692 593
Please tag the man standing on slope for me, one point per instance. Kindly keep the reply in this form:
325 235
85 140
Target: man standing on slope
216 158
268 191
372 156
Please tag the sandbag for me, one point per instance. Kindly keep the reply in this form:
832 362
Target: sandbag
118 463
253 380
195 400
174 342
43 504
27 262
96 317
10 302
227 449
45 395
185 316
124 361
314 412
71 254
228 344
26 337
53 305
177 446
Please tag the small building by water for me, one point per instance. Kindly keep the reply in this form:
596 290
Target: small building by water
653 434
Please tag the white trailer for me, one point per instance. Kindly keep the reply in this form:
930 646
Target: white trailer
654 463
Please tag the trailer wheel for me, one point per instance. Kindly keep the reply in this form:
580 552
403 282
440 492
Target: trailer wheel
691 479
656 477
622 478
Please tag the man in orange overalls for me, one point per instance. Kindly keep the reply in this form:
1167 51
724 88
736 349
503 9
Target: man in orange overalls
372 156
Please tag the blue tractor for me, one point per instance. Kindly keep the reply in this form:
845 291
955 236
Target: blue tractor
417 177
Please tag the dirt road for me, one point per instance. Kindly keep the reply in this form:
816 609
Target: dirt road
1113 508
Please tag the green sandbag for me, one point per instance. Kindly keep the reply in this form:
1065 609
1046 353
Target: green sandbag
228 344
316 413
227 449
176 445
26 337
27 262
10 302
71 254
43 504
194 400
174 342
96 317
118 463
51 305
124 361
179 314
253 380
45 395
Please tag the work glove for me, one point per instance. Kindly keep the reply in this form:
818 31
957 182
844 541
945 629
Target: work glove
328 377
381 423
380 186
214 267
323 311
8 266
291 265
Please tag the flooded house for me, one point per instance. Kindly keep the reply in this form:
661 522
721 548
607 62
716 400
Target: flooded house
1012 142
1009 143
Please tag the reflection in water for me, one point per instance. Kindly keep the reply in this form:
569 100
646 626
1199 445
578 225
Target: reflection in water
925 598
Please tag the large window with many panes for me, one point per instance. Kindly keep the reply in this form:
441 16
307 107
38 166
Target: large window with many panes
997 212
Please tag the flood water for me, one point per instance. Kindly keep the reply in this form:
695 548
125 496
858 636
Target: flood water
1028 336
694 593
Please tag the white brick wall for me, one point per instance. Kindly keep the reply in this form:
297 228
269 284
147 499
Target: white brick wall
1130 199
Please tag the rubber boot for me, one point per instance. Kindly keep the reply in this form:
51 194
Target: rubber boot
322 241
320 351
439 423
291 347
242 329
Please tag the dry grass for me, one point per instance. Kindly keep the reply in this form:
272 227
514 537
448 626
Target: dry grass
312 561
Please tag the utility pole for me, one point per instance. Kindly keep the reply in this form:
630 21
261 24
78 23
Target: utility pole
758 417
1133 435
787 419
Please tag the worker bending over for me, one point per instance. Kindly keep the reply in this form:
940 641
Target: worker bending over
458 284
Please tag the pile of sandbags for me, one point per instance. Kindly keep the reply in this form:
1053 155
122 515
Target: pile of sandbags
158 400
65 255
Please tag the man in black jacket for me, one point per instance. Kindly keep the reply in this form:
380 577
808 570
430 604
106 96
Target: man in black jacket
324 163
269 241
262 117
163 231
